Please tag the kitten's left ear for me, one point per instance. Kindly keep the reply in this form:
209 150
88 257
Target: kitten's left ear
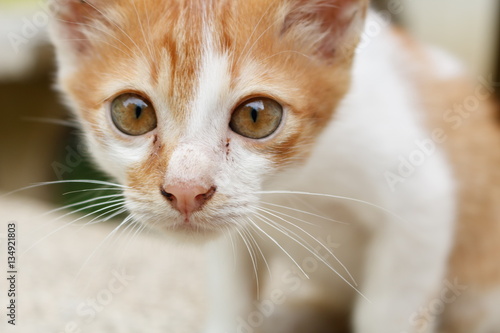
331 27
75 25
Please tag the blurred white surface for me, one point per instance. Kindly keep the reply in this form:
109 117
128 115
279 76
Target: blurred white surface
468 29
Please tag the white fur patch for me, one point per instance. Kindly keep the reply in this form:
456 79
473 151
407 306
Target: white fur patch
445 66
209 111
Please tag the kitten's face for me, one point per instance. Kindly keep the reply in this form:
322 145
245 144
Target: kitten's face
192 104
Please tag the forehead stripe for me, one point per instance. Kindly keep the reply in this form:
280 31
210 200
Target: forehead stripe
212 87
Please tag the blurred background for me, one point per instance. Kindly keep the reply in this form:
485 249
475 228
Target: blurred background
37 146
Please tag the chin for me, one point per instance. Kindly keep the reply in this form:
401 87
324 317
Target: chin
194 232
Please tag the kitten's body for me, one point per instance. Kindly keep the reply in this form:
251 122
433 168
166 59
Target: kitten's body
396 164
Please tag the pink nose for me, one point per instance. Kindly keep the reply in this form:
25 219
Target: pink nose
187 199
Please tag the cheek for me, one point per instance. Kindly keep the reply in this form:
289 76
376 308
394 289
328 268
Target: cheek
290 146
147 173
113 154
245 168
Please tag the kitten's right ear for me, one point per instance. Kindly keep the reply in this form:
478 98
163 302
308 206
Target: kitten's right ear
332 27
74 26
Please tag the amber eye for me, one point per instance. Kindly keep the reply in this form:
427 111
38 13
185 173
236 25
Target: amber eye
257 118
133 114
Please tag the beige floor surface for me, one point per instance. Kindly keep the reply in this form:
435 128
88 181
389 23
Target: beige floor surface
61 288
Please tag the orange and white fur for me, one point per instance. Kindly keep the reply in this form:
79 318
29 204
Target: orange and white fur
373 128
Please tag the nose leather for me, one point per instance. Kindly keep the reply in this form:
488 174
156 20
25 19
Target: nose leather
188 199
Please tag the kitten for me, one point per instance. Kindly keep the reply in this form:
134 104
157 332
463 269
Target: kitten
373 175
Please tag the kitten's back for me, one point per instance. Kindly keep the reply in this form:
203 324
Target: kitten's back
463 119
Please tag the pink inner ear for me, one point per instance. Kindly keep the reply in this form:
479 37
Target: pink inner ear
336 19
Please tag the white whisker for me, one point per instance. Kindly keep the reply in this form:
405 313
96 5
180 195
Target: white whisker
228 234
303 212
88 181
313 238
125 221
317 256
260 251
132 224
252 257
62 122
73 211
140 228
279 245
115 212
122 201
80 203
334 197
93 189
71 223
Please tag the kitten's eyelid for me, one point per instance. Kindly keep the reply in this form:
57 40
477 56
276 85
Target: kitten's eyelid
125 91
253 96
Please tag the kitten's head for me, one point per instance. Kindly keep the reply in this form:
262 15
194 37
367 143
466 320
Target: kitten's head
191 104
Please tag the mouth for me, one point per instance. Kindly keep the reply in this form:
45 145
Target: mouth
199 225
189 233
